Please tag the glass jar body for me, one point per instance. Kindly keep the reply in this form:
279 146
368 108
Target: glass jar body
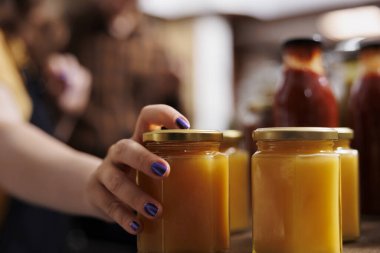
349 165
239 176
194 198
296 197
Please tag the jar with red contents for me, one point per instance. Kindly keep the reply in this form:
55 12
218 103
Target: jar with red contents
364 107
304 97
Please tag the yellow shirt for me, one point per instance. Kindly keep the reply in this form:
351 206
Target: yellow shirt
11 78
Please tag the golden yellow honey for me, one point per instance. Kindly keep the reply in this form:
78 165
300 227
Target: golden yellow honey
194 197
349 184
296 191
240 210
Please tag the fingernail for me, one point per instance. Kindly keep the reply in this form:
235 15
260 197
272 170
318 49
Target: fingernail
158 168
181 123
151 209
134 225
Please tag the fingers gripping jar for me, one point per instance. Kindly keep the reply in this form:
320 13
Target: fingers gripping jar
296 191
194 196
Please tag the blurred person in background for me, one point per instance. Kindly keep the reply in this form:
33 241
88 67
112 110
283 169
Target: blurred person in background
142 76
32 33
130 70
43 33
41 170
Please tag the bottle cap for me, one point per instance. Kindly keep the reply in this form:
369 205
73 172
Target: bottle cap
295 133
182 135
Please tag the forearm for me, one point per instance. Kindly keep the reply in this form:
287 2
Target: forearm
39 169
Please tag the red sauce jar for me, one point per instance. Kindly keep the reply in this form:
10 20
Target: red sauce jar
364 107
304 97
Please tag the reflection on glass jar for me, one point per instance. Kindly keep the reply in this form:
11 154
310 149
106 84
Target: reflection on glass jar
194 196
240 211
296 191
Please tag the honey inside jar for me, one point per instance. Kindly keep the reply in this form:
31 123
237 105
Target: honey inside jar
296 191
194 197
240 211
350 185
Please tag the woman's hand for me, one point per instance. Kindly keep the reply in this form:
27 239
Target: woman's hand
112 189
69 83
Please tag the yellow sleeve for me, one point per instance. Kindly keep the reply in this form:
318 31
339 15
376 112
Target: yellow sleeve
11 78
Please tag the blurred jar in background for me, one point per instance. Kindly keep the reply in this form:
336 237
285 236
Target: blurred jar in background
304 97
349 171
365 111
240 211
342 72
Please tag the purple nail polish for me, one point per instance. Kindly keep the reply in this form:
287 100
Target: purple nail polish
181 123
134 225
158 168
151 209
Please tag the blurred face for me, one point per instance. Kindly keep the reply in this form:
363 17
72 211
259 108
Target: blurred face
6 11
44 32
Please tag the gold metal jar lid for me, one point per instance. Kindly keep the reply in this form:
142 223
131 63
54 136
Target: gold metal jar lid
232 135
295 133
345 133
182 135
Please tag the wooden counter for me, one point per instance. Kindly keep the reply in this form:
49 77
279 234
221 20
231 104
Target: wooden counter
369 242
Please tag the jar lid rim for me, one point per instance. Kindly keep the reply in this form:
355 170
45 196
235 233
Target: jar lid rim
182 135
232 135
345 133
295 133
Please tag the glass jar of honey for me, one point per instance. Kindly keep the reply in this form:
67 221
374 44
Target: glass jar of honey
296 191
349 183
240 211
194 196
304 97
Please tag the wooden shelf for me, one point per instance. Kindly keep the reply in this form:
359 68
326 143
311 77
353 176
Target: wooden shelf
369 241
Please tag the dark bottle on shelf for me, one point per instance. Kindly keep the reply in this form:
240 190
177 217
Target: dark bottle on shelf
364 107
304 97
